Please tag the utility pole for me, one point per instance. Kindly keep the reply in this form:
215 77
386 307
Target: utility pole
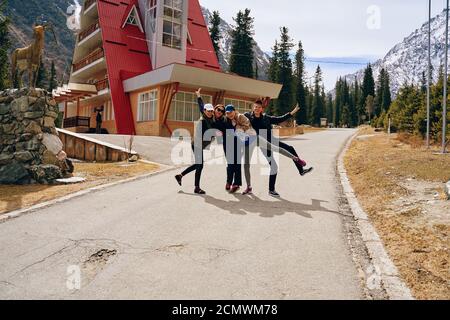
429 74
444 114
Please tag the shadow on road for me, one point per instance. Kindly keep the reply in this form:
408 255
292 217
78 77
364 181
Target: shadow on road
265 209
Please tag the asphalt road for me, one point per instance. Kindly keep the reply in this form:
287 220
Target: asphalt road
152 239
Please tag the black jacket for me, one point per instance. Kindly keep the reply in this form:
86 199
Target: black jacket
265 122
204 125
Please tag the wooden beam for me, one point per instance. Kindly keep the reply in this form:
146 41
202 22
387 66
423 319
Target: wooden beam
169 92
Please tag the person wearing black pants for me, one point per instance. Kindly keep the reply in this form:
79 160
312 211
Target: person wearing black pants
262 124
239 124
207 122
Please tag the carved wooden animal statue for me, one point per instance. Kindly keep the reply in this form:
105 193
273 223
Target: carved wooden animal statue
28 58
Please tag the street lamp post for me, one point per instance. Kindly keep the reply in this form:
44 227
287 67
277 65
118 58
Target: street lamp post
429 74
444 104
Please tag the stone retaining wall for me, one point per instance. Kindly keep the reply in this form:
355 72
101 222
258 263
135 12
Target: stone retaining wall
27 116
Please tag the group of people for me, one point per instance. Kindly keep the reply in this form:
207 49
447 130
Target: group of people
240 134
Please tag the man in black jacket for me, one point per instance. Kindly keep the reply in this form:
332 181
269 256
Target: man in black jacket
262 124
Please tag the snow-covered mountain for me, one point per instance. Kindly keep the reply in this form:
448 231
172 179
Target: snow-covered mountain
261 57
409 59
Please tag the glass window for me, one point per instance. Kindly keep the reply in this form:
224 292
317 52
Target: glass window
132 19
241 105
184 107
147 106
108 113
151 14
173 14
167 27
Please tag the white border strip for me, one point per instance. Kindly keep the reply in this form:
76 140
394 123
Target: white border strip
394 286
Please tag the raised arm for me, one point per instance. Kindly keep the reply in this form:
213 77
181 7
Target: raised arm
201 105
287 116
278 120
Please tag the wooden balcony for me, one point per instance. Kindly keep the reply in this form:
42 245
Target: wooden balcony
102 84
88 31
88 3
95 55
77 122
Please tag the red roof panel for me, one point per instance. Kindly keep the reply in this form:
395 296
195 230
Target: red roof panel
126 55
201 52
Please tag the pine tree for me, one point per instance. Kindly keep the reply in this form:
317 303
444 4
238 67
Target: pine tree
368 85
423 82
42 76
273 73
329 108
285 73
338 104
387 99
317 105
52 83
274 63
378 98
256 70
214 31
353 120
309 102
300 81
241 61
4 47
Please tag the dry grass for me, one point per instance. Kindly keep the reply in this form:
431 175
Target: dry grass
420 248
17 197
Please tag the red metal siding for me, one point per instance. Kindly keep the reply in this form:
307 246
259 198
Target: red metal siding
126 55
201 53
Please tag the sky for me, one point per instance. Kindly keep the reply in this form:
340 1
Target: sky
347 31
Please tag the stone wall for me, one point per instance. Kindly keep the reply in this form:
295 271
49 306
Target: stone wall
27 116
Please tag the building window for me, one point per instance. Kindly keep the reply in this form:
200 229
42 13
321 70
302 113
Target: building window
184 107
133 19
151 13
173 14
147 106
108 111
241 105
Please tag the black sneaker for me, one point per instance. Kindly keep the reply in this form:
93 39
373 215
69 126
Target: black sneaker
179 179
199 191
274 194
306 171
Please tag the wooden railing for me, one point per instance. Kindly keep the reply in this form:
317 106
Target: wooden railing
77 122
90 58
89 30
102 84
88 3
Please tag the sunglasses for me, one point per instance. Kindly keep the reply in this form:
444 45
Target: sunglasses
220 110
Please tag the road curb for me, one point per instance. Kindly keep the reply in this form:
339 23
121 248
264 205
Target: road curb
18 213
391 282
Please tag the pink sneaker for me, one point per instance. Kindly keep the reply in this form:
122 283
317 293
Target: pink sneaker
248 191
300 162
